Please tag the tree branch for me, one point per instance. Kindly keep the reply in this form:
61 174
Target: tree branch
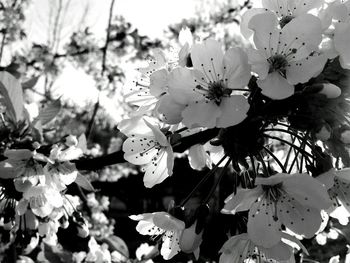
103 69
117 157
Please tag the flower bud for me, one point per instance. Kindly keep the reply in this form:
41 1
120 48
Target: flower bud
345 137
71 140
324 133
83 230
330 90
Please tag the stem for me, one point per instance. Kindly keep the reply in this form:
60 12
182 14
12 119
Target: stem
261 159
291 133
181 130
276 159
213 188
2 45
205 178
302 147
290 144
100 162
289 152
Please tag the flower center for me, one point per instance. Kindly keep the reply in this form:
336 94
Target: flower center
272 192
216 91
285 20
278 63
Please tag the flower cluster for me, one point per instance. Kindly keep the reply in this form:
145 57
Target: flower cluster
232 109
34 201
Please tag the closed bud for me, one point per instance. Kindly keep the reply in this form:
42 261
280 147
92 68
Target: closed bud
83 230
71 140
330 90
345 137
324 133
9 225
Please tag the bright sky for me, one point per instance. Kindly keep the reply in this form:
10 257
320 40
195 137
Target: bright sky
151 17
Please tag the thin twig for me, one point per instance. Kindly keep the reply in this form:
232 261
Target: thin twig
103 69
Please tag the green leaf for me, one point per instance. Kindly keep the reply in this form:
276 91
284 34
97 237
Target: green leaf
49 112
11 90
84 183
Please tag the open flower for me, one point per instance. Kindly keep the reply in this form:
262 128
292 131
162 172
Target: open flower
284 10
337 183
23 167
41 199
339 12
285 57
164 225
147 145
239 248
205 95
60 172
293 200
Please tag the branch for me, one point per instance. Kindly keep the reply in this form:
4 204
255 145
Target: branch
104 55
117 157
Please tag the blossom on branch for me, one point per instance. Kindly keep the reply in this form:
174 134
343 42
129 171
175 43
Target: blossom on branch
147 145
161 224
294 200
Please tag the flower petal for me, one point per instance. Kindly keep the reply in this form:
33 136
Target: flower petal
259 63
341 43
202 113
242 200
299 218
138 150
233 111
245 31
275 86
207 57
171 244
236 68
181 85
170 109
263 229
158 169
307 191
303 70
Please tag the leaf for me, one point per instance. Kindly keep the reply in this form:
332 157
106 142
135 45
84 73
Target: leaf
118 244
82 143
30 83
49 112
84 183
12 93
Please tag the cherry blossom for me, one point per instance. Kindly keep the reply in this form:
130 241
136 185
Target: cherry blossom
285 11
147 145
41 199
337 183
205 96
285 57
23 167
61 172
339 12
164 225
239 248
294 200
